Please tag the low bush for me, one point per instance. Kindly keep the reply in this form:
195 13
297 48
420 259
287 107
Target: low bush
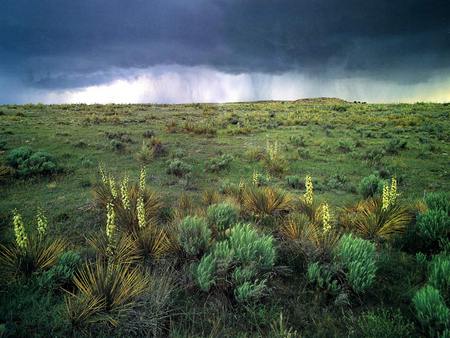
370 186
438 201
178 168
222 216
434 227
295 182
220 163
431 310
194 235
62 273
395 146
358 257
26 162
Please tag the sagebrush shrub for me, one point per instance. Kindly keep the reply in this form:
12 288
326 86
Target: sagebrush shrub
295 182
194 235
358 257
26 162
431 310
178 168
222 216
204 272
438 201
61 273
433 225
248 291
384 323
370 185
220 163
439 274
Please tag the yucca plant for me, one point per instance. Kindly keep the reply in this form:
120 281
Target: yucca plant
266 202
371 221
30 252
153 243
293 226
107 289
127 213
121 250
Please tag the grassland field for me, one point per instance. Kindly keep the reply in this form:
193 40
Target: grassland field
337 143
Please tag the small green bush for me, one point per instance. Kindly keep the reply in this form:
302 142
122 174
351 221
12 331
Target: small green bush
248 291
194 235
431 310
252 248
438 201
394 146
220 163
222 216
439 275
358 259
433 225
322 277
204 272
295 181
178 168
370 186
28 163
384 323
61 274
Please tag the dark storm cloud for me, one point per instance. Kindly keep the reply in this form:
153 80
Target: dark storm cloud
66 43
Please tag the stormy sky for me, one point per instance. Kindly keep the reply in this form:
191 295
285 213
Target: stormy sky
176 51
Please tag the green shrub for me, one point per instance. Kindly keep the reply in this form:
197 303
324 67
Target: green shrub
252 248
194 235
322 277
370 186
62 273
295 181
250 291
439 275
297 141
28 163
433 226
222 216
217 164
394 146
358 259
178 168
204 272
438 201
431 310
384 323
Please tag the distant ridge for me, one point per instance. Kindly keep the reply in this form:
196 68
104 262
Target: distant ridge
322 100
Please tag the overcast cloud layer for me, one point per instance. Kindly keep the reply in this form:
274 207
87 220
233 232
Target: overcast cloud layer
56 51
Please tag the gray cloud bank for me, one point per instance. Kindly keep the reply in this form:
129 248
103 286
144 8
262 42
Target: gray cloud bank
221 50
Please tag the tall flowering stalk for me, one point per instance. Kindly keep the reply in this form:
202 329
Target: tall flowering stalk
110 222
141 212
42 222
124 193
326 225
272 150
389 194
142 177
103 176
19 230
309 194
256 177
112 186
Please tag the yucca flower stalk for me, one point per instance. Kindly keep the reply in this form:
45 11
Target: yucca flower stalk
103 176
112 186
42 222
326 225
309 194
272 150
19 230
110 221
393 192
141 212
241 185
142 178
386 197
255 177
124 193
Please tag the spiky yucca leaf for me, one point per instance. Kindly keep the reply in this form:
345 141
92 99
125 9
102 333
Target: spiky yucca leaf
370 221
39 254
123 251
153 243
111 288
293 226
267 201
82 311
